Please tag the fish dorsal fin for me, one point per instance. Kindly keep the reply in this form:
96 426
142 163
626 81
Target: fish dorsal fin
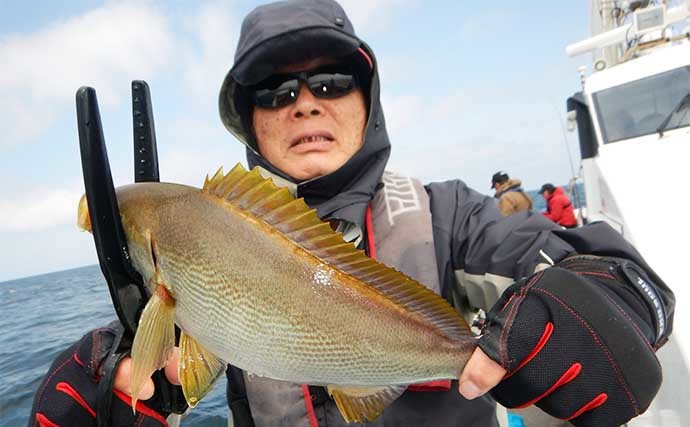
252 193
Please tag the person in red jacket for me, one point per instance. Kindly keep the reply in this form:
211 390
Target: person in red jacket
559 208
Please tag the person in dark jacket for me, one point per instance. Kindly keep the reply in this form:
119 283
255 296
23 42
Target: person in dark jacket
511 197
555 306
559 208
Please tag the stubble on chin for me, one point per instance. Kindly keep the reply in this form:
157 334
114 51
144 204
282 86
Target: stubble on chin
304 172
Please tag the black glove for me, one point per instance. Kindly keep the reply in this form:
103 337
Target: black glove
579 340
68 395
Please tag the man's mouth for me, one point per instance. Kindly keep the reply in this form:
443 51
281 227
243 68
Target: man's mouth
311 138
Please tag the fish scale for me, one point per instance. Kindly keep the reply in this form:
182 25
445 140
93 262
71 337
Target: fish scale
260 282
256 324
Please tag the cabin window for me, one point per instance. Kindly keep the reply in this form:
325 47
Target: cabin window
640 107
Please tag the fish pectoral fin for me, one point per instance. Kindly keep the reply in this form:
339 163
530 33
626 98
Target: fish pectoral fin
199 369
358 403
154 339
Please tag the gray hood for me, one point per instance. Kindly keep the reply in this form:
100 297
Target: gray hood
294 31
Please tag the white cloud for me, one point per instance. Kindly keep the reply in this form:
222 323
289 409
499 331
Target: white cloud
196 150
43 209
396 69
42 251
472 133
215 29
102 48
372 15
401 112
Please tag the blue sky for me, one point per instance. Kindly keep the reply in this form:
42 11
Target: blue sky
468 88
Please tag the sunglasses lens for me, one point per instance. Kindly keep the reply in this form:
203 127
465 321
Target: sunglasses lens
331 85
280 90
276 95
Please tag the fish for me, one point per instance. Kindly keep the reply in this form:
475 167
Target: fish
254 278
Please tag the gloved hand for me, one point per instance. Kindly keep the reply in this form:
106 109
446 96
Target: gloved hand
578 340
68 394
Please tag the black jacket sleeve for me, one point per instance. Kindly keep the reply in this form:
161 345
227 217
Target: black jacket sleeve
479 248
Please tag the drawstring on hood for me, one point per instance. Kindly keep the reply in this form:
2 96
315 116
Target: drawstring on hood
293 31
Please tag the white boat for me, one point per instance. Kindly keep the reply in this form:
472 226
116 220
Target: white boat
633 121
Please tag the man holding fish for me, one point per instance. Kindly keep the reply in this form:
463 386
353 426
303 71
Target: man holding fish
360 318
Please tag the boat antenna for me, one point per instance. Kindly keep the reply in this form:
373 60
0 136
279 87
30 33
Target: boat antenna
565 137
571 183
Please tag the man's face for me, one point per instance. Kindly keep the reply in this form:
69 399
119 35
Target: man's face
311 137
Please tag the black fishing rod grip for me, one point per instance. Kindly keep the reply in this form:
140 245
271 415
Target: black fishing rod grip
124 283
145 150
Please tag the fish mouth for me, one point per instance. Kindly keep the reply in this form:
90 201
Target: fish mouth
83 218
311 137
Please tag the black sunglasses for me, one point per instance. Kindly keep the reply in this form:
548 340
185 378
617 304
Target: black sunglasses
327 82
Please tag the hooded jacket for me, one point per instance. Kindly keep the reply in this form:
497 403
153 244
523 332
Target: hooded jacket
559 208
512 198
478 252
293 31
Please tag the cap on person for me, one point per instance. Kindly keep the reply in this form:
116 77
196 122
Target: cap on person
547 187
499 178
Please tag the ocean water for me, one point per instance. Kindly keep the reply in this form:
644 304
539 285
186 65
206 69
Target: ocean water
42 315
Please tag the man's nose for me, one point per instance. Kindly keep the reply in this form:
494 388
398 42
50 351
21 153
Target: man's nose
306 103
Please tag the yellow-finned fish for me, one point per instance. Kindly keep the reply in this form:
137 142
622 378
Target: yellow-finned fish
254 278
